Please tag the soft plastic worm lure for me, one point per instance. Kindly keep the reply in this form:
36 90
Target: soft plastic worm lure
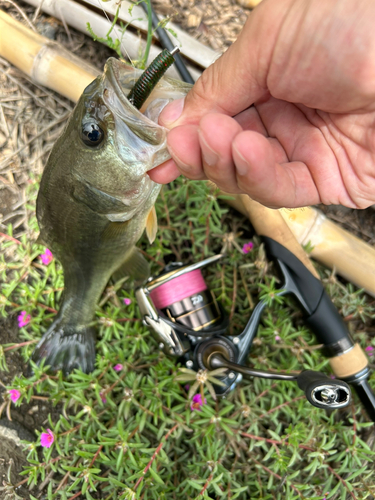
150 77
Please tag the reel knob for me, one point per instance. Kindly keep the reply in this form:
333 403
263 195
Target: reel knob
322 391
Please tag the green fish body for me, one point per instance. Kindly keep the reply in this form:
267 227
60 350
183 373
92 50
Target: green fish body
95 200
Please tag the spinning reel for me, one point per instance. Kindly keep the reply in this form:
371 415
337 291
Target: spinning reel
189 324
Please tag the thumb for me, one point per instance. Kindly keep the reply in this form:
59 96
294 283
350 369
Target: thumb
221 88
234 81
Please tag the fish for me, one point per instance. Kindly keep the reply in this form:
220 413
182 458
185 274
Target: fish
94 202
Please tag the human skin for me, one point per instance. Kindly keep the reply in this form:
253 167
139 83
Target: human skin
287 114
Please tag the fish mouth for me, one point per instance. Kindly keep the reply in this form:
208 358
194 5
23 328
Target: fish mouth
141 141
122 78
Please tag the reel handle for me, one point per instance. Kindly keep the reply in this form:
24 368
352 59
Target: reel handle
320 391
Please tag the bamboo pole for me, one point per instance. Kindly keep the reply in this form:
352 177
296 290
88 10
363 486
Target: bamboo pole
333 246
77 16
46 62
249 4
352 258
268 222
56 68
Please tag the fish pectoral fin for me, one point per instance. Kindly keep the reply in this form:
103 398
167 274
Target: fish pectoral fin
135 266
114 230
151 225
97 200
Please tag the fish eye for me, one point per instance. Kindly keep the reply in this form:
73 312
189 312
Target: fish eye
92 135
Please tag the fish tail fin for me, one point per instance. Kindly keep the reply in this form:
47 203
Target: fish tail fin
66 348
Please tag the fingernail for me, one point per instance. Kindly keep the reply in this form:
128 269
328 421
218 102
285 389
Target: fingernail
208 154
241 164
172 112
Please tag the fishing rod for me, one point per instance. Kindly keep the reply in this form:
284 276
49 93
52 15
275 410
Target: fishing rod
158 67
190 325
166 43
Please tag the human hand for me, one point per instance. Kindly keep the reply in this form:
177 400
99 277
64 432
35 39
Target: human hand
287 114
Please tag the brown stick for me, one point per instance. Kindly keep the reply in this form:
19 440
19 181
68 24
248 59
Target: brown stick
156 452
333 246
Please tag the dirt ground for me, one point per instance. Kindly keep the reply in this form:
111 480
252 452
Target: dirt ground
31 118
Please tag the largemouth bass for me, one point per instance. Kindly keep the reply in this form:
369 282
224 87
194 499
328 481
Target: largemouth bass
95 200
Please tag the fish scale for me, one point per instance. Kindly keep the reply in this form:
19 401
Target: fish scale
94 201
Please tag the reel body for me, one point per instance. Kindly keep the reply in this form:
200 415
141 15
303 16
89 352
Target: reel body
190 325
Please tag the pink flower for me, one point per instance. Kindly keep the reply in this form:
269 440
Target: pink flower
197 402
127 301
118 367
277 338
23 319
46 257
248 247
47 438
14 395
369 349
103 398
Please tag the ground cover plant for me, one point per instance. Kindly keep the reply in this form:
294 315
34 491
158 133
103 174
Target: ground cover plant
129 430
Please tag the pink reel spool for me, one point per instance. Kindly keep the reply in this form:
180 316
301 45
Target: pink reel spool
187 300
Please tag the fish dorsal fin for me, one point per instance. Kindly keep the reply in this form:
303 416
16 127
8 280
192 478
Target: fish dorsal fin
135 266
151 225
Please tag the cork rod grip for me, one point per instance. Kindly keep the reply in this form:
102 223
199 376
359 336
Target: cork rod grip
349 363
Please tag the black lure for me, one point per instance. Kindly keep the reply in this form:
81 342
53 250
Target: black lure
151 76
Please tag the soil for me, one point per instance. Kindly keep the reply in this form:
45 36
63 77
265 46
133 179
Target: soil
25 110
25 420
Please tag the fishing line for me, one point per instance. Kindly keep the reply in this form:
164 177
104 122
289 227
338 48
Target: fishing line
166 43
186 300
178 289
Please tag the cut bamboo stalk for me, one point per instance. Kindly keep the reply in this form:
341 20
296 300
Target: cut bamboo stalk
46 62
336 248
333 246
268 222
77 16
352 258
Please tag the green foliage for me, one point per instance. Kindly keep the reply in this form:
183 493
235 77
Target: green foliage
131 434
115 43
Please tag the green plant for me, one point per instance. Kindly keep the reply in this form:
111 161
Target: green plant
116 42
131 434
